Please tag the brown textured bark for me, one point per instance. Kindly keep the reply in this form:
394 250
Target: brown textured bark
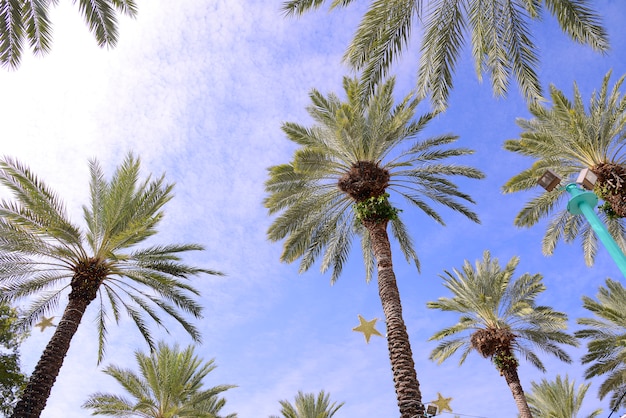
512 379
365 179
402 365
496 344
84 290
611 187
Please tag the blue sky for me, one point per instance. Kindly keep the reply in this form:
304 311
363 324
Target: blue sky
199 91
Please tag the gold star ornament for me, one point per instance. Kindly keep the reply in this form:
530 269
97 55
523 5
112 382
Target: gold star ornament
45 323
368 328
443 404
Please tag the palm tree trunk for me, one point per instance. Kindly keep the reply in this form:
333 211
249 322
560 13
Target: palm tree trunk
402 365
512 379
36 394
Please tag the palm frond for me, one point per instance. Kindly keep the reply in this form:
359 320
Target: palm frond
315 217
401 234
37 26
441 45
384 31
100 17
11 33
489 298
579 21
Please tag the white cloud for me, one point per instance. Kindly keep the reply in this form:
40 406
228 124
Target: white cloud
199 90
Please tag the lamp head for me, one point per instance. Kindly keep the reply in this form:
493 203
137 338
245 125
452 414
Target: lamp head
587 179
431 410
549 180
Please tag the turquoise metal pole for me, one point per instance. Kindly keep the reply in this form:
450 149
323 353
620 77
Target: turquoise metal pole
582 201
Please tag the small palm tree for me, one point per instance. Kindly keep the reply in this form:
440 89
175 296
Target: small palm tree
557 399
23 20
169 385
308 406
501 41
567 138
500 320
606 333
43 255
337 187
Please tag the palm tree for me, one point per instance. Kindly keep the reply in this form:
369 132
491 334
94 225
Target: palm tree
607 337
169 385
557 399
43 255
500 320
24 20
567 138
337 186
308 406
501 41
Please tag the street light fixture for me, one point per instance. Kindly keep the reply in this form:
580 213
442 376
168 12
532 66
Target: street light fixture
549 180
587 179
583 202
431 410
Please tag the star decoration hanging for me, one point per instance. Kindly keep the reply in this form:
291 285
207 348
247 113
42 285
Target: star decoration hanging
45 323
443 404
368 328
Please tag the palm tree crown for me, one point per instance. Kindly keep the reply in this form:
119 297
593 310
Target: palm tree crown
308 406
499 319
558 399
606 333
337 187
28 21
567 138
43 255
169 385
346 158
501 41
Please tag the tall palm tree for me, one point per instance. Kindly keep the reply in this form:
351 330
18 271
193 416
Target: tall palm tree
43 255
28 21
500 320
337 187
308 406
567 138
606 333
168 385
501 40
557 399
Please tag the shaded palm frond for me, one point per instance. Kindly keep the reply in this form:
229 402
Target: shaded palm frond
489 298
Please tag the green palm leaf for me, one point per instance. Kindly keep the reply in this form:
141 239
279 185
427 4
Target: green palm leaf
605 340
307 405
169 383
499 319
43 255
499 33
24 21
339 186
566 138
